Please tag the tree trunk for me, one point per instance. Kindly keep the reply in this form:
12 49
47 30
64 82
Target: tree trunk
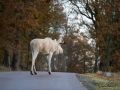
16 56
6 58
28 58
108 52
84 65
16 59
95 65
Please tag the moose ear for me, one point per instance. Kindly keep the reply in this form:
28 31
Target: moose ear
63 43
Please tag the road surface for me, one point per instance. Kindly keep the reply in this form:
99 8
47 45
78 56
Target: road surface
41 81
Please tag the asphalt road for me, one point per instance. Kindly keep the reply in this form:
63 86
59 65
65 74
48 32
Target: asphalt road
41 81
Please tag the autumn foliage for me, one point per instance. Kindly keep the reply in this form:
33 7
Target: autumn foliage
104 29
23 20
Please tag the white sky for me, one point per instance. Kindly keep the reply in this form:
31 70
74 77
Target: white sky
74 19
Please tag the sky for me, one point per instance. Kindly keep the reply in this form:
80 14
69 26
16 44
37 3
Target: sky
74 19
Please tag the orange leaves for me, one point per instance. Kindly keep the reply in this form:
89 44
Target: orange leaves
108 33
33 23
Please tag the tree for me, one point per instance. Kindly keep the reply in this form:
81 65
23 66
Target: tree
16 19
23 20
104 15
79 53
109 37
89 9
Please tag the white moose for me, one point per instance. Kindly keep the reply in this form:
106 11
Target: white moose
47 47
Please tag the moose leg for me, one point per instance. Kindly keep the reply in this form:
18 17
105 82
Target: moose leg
33 61
35 70
49 63
34 56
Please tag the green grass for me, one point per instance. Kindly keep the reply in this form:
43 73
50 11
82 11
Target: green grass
2 68
96 83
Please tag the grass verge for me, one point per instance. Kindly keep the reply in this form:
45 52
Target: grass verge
96 83
2 68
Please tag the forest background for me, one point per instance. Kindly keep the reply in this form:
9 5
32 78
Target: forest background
23 20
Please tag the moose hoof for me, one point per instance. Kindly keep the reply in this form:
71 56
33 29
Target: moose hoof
31 73
50 73
35 73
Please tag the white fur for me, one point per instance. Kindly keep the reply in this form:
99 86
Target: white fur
45 46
